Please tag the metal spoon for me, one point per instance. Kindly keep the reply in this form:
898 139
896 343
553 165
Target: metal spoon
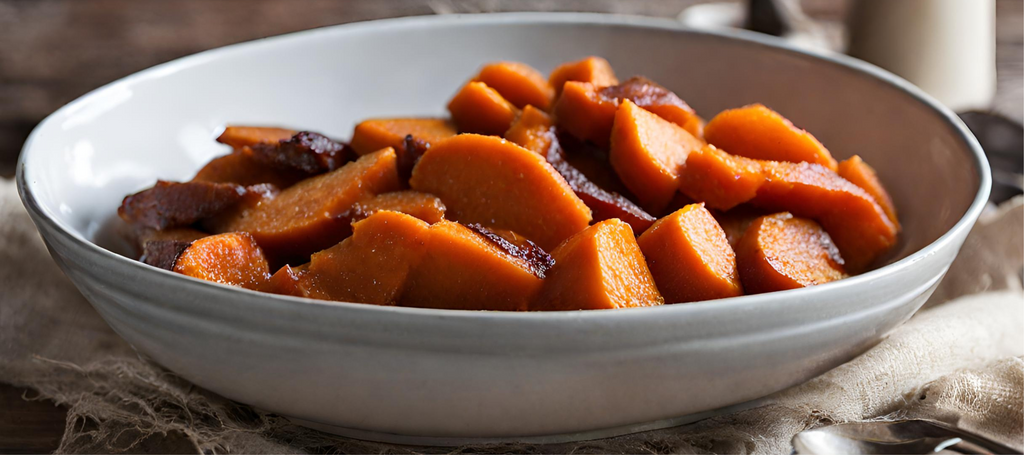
901 436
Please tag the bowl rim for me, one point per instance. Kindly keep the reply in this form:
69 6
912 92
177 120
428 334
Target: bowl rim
43 215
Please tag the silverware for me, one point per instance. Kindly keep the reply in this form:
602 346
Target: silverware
899 436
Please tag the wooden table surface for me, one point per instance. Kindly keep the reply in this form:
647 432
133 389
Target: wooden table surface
56 50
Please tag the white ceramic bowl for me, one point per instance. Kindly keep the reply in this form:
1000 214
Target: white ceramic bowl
420 375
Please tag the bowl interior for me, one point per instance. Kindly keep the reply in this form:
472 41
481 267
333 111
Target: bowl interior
85 158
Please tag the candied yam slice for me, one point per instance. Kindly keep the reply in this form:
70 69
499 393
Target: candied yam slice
647 153
659 100
253 197
288 280
312 153
582 112
479 109
861 174
173 204
241 168
308 216
599 268
855 222
372 265
690 257
239 137
758 132
232 258
375 134
593 70
494 182
518 83
780 252
532 130
736 221
720 180
517 246
426 207
462 269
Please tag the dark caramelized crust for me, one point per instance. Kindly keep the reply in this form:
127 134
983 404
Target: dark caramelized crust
171 204
519 247
163 253
409 154
312 153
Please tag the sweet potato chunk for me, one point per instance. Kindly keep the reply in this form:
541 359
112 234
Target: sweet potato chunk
518 83
426 207
758 132
599 268
161 248
736 221
478 108
253 197
861 174
375 134
517 246
239 137
463 270
659 100
720 180
690 257
242 169
533 130
780 252
232 258
312 153
853 219
648 152
593 70
488 180
288 280
307 217
372 265
173 204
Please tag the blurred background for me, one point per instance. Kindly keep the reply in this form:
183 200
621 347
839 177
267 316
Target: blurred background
52 51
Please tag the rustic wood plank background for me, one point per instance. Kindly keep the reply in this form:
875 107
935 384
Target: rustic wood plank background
52 51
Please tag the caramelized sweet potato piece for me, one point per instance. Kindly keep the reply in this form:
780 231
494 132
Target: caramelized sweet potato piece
162 254
736 221
648 152
463 270
426 207
690 257
239 137
518 83
173 204
375 134
307 217
758 132
517 246
253 197
533 130
720 180
288 280
312 153
139 237
593 70
659 100
232 258
242 169
599 268
853 219
861 174
478 108
780 252
488 180
372 265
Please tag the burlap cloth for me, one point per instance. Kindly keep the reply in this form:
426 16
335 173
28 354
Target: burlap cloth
958 361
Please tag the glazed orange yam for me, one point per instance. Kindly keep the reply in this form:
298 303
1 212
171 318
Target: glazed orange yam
426 207
780 252
582 112
599 268
253 197
242 169
233 258
855 222
735 222
307 217
861 174
648 153
593 70
288 280
372 265
478 108
375 134
757 132
720 180
657 99
690 257
462 269
518 83
239 137
532 130
494 182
